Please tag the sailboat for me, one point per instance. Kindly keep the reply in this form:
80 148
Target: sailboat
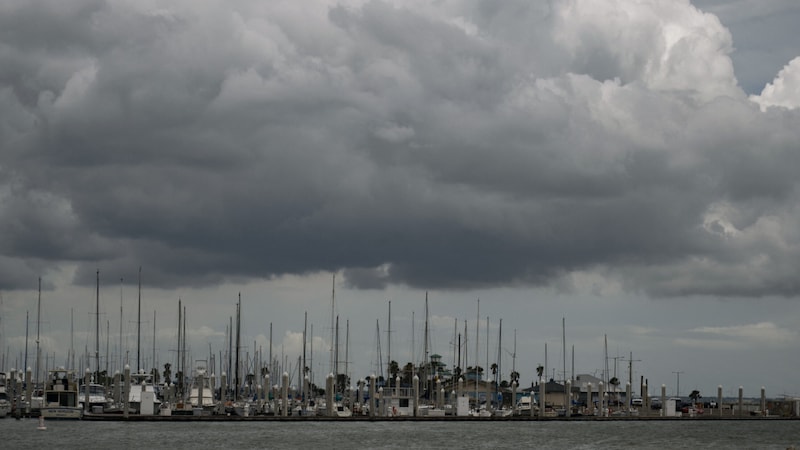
431 409
501 411
340 407
97 397
477 411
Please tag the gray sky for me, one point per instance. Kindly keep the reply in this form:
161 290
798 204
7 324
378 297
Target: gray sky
629 166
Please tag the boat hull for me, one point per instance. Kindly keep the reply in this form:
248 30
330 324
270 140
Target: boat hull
61 412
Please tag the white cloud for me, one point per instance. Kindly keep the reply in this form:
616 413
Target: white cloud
665 45
394 133
784 91
758 333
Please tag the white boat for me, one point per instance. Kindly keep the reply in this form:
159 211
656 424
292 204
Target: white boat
481 412
5 404
201 382
142 397
61 396
98 399
503 412
341 410
524 406
165 409
430 411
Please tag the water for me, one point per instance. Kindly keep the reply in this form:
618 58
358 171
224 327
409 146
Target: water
746 434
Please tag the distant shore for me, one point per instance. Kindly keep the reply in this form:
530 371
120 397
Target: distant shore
223 418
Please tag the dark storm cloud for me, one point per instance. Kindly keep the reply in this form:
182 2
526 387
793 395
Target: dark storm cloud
459 145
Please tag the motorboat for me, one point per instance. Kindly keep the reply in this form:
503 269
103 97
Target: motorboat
201 393
5 404
98 398
143 398
61 396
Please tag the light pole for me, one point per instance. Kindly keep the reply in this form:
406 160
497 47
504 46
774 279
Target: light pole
678 389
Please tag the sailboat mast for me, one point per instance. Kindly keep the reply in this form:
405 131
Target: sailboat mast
514 355
425 349
564 345
413 349
178 359
183 350
466 349
486 369
238 344
108 338
97 330
155 364
455 336
605 359
138 326
346 351
72 337
121 361
572 371
230 345
477 354
477 348
303 372
564 352
27 322
389 344
378 336
38 323
499 358
336 358
333 314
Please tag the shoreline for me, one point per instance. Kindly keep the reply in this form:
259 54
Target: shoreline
224 418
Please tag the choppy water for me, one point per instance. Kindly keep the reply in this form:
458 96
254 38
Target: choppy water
766 434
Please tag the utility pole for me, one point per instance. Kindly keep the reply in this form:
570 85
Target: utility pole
630 367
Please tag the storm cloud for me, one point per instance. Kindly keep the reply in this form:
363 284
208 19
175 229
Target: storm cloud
449 145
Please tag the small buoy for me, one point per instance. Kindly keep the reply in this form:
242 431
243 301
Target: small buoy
41 424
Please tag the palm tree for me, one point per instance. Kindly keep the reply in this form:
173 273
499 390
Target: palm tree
515 376
614 381
167 373
408 374
394 369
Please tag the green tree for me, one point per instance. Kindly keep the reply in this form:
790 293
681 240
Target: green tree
168 373
394 369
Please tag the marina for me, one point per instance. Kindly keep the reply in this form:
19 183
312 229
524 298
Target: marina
428 390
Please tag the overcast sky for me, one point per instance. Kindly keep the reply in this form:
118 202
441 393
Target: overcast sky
629 166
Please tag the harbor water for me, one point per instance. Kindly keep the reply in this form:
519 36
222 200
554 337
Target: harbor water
727 434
